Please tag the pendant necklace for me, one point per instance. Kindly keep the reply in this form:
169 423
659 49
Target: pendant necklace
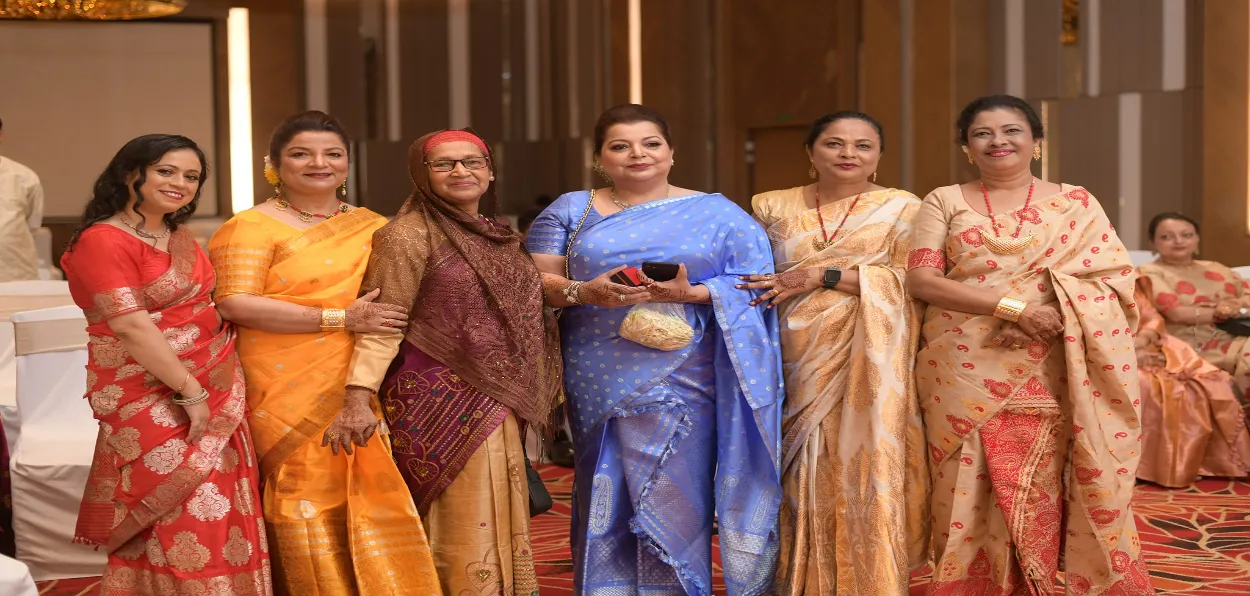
1016 243
825 241
282 204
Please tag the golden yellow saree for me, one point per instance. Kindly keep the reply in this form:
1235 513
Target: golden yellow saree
855 478
1033 450
341 524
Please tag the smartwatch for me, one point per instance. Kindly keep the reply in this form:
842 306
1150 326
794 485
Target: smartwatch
833 275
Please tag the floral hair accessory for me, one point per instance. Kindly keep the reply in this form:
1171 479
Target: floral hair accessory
271 173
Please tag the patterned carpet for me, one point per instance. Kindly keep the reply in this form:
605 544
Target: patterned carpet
1197 540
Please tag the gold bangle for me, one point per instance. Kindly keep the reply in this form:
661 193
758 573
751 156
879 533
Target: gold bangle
333 319
182 400
1009 309
185 380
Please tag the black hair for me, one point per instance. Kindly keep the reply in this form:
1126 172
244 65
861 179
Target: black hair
1166 215
819 126
629 113
310 121
996 102
110 193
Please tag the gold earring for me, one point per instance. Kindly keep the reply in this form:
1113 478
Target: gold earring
874 177
598 169
672 162
811 172
969 158
1037 152
343 188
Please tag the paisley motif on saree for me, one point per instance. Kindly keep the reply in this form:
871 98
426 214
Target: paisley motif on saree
1033 451
855 516
175 517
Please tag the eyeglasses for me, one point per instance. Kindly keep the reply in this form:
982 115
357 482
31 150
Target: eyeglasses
469 163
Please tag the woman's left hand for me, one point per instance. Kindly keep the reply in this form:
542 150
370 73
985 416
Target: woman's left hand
1229 308
679 289
354 425
781 286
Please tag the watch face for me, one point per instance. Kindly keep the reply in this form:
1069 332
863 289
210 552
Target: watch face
832 277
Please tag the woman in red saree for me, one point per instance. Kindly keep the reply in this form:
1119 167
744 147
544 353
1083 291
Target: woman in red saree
172 492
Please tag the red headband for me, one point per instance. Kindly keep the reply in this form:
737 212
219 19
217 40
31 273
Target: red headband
449 136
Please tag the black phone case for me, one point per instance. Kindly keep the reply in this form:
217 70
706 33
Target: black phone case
660 271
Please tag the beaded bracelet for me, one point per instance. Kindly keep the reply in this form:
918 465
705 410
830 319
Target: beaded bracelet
333 319
1009 309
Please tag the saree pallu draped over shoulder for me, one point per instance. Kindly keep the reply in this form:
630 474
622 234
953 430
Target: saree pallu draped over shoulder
665 439
1033 450
338 524
855 516
176 518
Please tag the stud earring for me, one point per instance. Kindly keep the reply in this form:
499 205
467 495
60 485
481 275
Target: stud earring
811 172
1037 153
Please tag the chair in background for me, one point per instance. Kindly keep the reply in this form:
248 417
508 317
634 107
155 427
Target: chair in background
1140 257
17 296
1243 271
55 444
15 579
43 249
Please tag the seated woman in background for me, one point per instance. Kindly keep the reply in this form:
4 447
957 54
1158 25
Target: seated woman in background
1191 421
1194 296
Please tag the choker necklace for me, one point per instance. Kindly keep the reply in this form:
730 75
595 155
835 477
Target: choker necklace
142 233
827 240
282 205
1014 244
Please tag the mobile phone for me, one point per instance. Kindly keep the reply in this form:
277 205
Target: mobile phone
660 271
627 277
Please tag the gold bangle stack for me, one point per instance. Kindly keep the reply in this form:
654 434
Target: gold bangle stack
1009 309
333 319
183 400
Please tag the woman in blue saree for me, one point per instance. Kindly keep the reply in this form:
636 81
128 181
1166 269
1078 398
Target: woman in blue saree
664 440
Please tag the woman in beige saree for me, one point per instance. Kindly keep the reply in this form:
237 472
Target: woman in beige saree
1192 423
855 479
1194 295
1026 374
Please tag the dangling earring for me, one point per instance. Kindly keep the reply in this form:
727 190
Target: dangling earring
969 158
874 177
343 188
811 172
1037 153
598 169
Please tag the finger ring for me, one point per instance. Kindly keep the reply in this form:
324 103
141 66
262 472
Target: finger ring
620 297
1016 345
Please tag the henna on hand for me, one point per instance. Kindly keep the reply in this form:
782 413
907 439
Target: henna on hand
795 280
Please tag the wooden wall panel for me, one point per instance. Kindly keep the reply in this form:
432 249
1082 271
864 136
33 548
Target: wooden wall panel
881 79
486 54
1226 59
345 59
1043 23
424 84
1089 155
1164 166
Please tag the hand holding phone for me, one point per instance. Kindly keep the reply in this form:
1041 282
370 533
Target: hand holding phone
660 271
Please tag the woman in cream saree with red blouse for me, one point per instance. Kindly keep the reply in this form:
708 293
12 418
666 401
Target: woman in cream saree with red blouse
1033 450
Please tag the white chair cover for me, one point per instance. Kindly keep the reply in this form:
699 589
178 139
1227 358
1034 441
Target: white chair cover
15 579
56 443
1140 257
1243 271
17 296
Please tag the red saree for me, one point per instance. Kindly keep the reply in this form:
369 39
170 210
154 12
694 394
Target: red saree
175 518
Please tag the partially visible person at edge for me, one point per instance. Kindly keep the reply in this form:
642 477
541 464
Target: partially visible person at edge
1026 373
172 492
21 213
480 355
856 481
1192 424
288 271
665 439
1194 296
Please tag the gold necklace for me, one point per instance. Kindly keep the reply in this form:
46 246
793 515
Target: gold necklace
624 206
142 233
282 204
1014 244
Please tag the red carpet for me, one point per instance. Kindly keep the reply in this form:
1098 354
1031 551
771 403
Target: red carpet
1197 541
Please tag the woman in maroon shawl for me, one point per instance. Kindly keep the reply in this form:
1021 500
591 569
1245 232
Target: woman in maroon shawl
478 362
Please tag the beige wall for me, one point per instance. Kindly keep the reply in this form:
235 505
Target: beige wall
74 93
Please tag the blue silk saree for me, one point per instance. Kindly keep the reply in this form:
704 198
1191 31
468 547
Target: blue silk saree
665 441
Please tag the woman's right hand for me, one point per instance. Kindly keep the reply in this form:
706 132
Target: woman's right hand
367 316
355 424
602 291
1147 358
1042 322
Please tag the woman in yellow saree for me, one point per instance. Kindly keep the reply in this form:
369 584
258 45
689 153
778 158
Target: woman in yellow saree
288 274
855 479
1026 374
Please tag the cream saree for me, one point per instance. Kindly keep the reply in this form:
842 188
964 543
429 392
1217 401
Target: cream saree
1033 450
854 477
